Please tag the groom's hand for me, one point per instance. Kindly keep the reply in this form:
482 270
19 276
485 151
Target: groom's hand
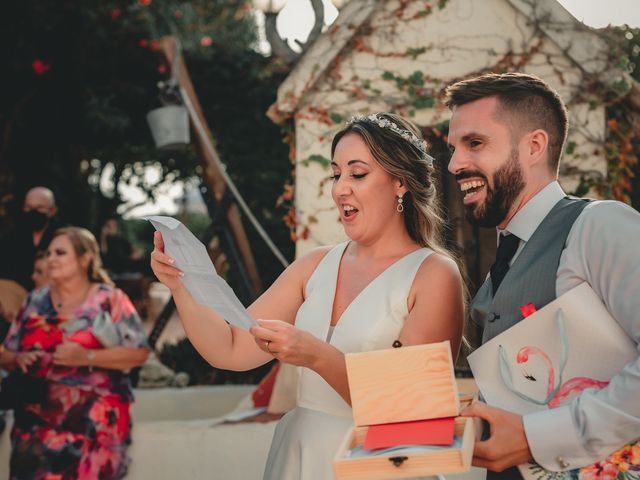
507 444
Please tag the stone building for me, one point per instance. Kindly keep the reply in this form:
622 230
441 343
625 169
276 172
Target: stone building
399 55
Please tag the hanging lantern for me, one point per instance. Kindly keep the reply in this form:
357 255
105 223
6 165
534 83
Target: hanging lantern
169 124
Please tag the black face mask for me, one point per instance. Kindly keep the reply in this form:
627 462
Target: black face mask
34 220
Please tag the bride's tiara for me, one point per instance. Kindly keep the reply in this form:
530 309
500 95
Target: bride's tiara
409 136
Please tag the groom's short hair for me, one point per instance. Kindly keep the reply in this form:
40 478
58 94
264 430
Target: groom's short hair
526 103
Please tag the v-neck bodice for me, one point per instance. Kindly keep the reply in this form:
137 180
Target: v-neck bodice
372 320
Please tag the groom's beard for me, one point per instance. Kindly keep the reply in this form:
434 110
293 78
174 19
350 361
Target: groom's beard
507 183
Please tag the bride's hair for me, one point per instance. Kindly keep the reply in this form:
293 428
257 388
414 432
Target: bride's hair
401 151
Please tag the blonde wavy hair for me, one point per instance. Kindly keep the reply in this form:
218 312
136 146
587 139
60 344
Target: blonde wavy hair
83 242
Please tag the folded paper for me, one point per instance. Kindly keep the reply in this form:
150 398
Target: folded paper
200 277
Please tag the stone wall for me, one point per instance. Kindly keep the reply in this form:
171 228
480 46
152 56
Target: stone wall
401 59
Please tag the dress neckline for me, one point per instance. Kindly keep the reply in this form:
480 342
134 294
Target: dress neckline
95 287
366 287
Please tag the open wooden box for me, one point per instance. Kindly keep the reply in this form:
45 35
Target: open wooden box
401 385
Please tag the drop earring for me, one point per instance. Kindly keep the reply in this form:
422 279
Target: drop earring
400 207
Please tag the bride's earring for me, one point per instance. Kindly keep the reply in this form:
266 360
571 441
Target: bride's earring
400 207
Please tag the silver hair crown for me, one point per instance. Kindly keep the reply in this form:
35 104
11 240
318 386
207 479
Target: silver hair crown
389 125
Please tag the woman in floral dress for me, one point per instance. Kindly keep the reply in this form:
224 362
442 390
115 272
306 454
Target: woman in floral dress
73 342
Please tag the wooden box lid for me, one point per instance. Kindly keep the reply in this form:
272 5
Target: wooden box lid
402 384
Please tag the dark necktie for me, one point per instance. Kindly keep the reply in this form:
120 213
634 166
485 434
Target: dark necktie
506 249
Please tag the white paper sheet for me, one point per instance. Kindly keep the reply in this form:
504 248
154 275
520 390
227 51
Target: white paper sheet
200 277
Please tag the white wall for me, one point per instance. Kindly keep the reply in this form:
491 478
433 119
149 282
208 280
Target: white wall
466 36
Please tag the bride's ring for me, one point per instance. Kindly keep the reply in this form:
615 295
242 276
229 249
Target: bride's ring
266 344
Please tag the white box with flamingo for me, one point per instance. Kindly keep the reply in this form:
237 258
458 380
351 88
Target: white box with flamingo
549 357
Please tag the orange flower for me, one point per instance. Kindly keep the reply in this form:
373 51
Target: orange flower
598 471
625 457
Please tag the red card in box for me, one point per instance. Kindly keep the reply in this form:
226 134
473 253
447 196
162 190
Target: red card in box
437 431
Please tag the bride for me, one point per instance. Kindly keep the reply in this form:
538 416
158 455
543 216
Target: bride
392 280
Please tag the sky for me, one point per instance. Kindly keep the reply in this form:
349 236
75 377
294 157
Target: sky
600 13
296 20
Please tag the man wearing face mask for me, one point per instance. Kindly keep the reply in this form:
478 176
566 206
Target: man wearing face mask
33 232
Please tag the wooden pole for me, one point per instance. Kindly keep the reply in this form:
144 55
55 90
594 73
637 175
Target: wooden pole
209 160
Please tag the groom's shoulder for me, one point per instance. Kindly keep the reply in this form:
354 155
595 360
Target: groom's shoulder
608 213
603 223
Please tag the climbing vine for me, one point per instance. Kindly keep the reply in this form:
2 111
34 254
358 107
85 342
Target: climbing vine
347 86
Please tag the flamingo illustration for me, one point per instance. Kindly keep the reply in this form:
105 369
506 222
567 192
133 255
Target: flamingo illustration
568 390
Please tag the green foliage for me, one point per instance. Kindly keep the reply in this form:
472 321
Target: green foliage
570 148
415 52
425 101
414 86
416 78
387 75
81 77
630 41
320 159
336 117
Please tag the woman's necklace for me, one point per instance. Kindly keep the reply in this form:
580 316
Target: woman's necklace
71 303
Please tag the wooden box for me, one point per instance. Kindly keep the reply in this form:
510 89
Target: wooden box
399 385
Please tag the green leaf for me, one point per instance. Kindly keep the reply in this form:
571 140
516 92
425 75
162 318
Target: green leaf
417 78
323 161
336 117
424 102
571 147
583 187
414 52
387 75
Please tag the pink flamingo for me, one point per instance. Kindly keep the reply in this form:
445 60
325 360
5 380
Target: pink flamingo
568 390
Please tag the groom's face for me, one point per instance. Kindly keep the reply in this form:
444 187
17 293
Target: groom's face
485 162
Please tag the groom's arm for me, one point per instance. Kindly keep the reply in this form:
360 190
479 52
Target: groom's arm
603 249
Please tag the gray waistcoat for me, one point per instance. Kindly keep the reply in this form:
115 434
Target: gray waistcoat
531 279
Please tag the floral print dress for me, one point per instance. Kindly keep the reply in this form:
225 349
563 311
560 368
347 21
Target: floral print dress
82 428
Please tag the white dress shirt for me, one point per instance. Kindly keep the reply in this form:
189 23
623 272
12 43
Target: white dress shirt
602 249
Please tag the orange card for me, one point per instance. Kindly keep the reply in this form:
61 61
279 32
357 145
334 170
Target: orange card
438 431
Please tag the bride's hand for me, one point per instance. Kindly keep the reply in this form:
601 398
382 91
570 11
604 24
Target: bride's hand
286 342
162 265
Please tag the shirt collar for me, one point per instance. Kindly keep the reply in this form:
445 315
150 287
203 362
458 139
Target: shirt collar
530 216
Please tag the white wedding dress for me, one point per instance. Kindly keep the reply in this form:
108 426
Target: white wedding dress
307 438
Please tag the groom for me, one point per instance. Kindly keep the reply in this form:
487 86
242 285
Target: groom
506 135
